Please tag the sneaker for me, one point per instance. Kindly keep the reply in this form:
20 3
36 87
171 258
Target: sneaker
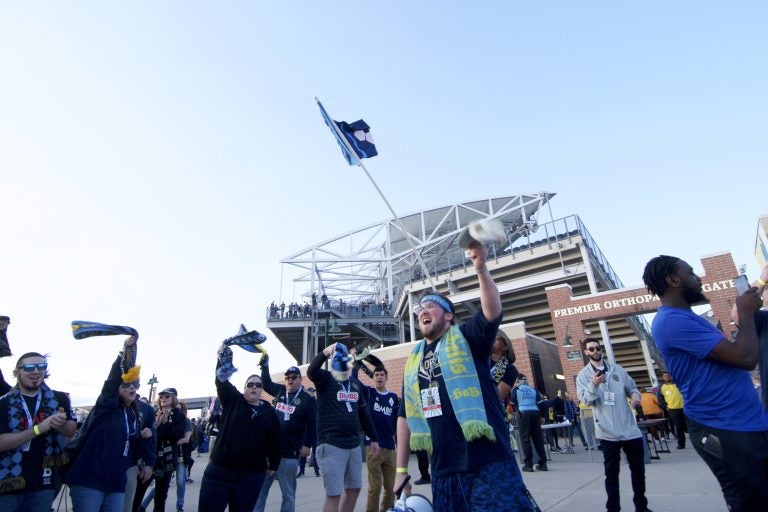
681 447
301 474
317 473
528 469
423 480
189 481
542 467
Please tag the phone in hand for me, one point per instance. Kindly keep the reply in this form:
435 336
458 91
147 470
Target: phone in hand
741 283
600 372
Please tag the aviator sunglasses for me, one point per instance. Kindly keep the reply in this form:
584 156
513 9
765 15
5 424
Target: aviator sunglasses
256 385
31 367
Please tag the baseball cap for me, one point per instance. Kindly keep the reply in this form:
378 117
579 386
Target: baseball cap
169 391
293 369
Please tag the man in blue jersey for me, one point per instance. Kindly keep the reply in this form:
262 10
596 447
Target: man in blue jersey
526 399
726 422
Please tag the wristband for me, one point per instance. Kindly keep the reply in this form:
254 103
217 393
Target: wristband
762 283
401 470
36 430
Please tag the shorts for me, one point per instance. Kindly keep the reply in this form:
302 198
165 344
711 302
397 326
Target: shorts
342 468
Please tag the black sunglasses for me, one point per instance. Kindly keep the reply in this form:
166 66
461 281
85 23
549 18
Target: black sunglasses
31 367
257 385
594 349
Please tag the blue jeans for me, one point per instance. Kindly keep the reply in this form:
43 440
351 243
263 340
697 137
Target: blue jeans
223 487
286 477
85 499
39 501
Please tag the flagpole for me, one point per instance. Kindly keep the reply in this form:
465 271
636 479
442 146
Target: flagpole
352 152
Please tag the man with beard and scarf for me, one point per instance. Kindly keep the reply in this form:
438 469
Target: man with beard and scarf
727 424
451 407
606 388
32 417
341 414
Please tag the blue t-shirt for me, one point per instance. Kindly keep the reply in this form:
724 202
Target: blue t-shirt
716 395
451 453
527 398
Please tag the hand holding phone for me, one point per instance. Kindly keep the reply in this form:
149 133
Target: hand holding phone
741 283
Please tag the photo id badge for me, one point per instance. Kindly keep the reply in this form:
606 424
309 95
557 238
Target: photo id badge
609 398
430 402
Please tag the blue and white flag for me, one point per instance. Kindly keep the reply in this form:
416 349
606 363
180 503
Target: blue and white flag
357 136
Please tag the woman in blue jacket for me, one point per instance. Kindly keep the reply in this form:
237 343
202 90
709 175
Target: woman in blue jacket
97 477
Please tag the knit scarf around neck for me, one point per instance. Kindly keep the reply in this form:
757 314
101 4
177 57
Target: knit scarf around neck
11 478
462 385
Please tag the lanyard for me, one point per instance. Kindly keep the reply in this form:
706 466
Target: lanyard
294 396
26 411
30 420
434 361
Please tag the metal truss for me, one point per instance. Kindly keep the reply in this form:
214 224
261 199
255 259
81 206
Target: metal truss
374 262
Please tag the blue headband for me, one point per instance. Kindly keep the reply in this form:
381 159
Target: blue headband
439 300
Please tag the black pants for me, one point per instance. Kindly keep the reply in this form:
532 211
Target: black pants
633 449
423 459
678 418
739 460
530 430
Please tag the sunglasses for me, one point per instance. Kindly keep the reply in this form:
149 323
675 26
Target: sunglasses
32 367
594 349
257 385
133 385
427 306
291 377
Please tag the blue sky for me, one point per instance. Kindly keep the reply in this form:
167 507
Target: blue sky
157 159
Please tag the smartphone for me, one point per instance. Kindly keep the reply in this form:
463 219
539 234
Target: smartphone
600 372
741 283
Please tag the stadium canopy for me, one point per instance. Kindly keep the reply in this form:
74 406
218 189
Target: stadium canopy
375 262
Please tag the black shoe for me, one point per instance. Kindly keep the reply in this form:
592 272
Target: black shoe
681 447
317 473
542 467
423 480
301 474
528 469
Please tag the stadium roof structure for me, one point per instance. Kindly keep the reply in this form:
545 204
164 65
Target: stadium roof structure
376 261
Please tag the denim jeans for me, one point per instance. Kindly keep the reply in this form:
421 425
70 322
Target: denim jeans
39 501
286 477
85 499
223 487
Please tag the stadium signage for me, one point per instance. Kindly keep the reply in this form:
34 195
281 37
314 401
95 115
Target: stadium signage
631 301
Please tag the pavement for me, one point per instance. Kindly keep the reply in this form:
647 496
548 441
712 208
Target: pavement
678 481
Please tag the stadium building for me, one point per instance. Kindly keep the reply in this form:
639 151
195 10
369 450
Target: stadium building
556 288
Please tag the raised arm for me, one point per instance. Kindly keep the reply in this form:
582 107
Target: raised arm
490 300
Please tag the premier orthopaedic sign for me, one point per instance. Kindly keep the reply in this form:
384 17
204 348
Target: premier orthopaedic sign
631 301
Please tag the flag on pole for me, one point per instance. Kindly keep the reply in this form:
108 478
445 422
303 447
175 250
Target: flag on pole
356 137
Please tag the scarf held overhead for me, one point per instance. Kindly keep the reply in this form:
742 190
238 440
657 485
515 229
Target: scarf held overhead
462 385
82 329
